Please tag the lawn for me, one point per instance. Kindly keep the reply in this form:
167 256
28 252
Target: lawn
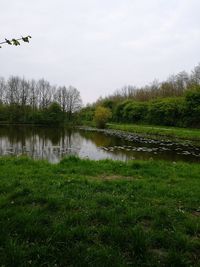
175 132
103 213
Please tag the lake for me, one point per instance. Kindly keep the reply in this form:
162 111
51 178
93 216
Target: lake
53 144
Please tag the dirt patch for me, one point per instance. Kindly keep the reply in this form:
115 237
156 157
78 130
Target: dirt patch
159 253
116 177
146 224
196 213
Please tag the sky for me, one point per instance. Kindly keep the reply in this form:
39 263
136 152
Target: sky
98 46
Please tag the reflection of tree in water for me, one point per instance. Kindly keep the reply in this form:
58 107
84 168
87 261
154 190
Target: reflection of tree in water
98 139
54 143
39 142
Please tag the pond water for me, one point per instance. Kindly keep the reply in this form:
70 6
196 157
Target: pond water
53 144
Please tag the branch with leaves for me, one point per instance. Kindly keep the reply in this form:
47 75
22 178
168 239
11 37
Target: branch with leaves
16 42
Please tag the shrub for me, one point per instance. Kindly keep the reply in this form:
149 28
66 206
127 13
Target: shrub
192 102
168 111
54 114
108 103
87 113
101 116
135 111
118 113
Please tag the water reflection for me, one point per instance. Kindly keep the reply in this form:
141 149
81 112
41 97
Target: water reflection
53 144
38 142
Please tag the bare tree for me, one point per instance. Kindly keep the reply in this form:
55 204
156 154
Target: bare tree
74 101
182 81
33 98
44 93
195 77
12 92
24 92
2 90
61 96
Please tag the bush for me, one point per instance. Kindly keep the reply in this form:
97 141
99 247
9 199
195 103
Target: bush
118 113
101 116
87 113
54 115
135 112
192 102
3 113
168 111
108 103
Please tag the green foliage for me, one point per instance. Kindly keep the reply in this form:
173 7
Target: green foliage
37 102
173 102
8 42
174 111
118 112
168 111
102 116
16 42
135 112
3 113
53 115
193 106
108 103
87 113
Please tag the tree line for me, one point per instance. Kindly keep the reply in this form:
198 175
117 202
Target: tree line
31 101
174 86
174 102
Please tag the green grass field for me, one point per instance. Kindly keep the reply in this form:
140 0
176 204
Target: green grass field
106 213
181 133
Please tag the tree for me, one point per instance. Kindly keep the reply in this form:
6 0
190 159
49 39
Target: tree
24 92
193 106
2 89
195 77
74 101
61 97
16 42
12 93
28 101
101 116
69 99
54 114
44 91
33 94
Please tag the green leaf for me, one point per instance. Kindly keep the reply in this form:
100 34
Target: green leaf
25 39
8 42
15 42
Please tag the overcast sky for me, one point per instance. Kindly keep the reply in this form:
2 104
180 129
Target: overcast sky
100 45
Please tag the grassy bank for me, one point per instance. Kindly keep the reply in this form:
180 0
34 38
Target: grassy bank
87 213
181 133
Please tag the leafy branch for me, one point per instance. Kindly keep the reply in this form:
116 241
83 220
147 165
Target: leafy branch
16 42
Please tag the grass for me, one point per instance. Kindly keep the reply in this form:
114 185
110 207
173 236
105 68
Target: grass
106 213
181 133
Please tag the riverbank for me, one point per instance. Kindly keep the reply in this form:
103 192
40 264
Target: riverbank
161 131
106 213
145 130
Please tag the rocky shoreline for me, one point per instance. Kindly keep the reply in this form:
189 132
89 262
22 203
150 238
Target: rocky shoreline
146 138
